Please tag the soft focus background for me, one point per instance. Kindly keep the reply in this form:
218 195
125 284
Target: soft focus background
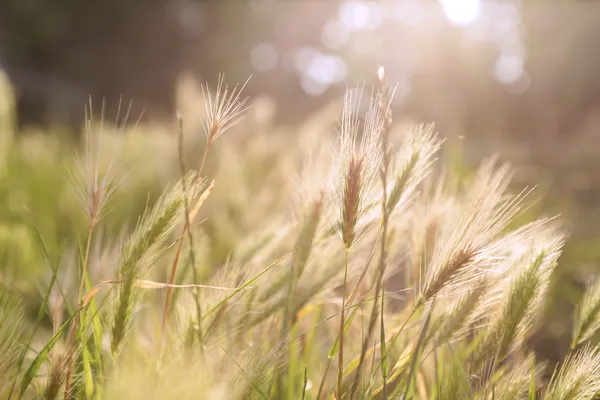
520 79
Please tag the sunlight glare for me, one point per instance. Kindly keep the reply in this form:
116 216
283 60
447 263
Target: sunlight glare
461 12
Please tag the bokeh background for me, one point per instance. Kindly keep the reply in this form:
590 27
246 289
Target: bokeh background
520 79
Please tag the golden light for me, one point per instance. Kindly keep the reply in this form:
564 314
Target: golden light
461 12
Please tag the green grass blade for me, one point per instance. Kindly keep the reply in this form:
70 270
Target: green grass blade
305 383
87 371
53 279
336 344
43 355
417 351
531 395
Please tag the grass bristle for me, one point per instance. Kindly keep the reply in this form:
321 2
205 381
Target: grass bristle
11 328
355 166
587 321
151 232
57 373
222 108
578 377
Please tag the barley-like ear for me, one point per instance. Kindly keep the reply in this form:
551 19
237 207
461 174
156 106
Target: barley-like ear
258 369
57 372
454 320
355 167
428 212
578 378
412 163
11 327
587 320
453 382
306 236
465 240
150 233
523 293
95 184
222 109
512 382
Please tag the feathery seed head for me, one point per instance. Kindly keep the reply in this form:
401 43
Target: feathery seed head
57 373
150 233
514 300
587 321
578 378
356 166
468 238
306 236
11 327
512 382
95 185
222 109
412 163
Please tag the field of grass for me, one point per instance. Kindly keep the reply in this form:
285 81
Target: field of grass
225 258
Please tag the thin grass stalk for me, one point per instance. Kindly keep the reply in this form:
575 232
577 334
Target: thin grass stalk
342 324
70 357
417 350
222 112
192 253
384 102
53 280
75 324
411 310
96 193
186 230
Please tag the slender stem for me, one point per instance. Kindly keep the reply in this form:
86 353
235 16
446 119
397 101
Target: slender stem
383 351
390 343
287 324
85 260
74 323
171 281
192 254
68 379
415 354
179 245
201 170
342 323
382 264
379 287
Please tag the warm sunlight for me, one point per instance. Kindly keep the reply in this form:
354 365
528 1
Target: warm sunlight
461 12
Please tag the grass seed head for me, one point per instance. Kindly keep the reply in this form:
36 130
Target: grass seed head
222 108
577 378
356 166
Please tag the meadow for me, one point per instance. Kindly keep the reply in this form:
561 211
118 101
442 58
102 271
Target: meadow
223 257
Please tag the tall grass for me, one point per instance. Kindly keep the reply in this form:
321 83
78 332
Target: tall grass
418 285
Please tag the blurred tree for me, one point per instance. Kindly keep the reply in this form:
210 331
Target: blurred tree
57 53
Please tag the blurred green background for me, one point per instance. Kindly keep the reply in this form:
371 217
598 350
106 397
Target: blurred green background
516 78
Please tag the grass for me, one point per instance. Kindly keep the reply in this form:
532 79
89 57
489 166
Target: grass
364 272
